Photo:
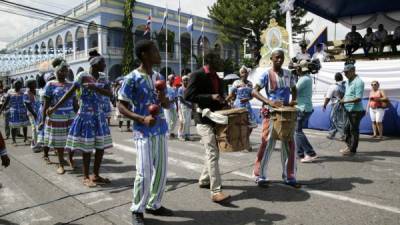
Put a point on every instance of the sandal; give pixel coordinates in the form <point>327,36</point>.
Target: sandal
<point>89,183</point>
<point>100,180</point>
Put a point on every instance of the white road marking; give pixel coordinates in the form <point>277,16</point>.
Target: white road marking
<point>356,201</point>
<point>197,168</point>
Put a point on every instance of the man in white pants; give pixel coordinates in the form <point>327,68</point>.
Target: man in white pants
<point>185,112</point>
<point>149,133</point>
<point>170,113</point>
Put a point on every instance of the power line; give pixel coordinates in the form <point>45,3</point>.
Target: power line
<point>51,15</point>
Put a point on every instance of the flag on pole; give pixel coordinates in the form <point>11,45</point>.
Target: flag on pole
<point>189,25</point>
<point>164,19</point>
<point>148,26</point>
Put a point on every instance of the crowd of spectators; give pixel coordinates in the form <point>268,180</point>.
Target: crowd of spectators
<point>372,40</point>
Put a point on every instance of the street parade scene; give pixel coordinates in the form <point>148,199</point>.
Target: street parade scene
<point>208,112</point>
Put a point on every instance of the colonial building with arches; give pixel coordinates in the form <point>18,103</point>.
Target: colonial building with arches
<point>103,30</point>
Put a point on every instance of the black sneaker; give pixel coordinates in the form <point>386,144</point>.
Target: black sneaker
<point>162,211</point>
<point>137,219</point>
<point>207,186</point>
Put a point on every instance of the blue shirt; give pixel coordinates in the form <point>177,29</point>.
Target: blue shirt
<point>138,89</point>
<point>181,91</point>
<point>277,86</point>
<point>354,89</point>
<point>54,91</point>
<point>172,94</point>
<point>242,91</point>
<point>304,94</point>
<point>90,101</point>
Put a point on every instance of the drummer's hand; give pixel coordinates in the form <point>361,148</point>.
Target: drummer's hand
<point>292,103</point>
<point>276,104</point>
<point>244,100</point>
<point>217,97</point>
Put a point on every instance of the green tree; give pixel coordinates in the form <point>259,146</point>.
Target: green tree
<point>128,56</point>
<point>233,17</point>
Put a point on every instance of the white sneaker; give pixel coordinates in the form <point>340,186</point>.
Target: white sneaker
<point>308,159</point>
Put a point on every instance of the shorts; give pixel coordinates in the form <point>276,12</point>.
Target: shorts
<point>377,114</point>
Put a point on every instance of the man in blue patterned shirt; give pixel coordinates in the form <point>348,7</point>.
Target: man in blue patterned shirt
<point>149,133</point>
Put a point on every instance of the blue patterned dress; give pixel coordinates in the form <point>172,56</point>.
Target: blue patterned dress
<point>90,130</point>
<point>58,124</point>
<point>243,91</point>
<point>18,111</point>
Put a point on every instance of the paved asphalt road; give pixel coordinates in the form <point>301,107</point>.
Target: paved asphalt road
<point>358,190</point>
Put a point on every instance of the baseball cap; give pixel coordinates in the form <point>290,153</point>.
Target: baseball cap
<point>348,67</point>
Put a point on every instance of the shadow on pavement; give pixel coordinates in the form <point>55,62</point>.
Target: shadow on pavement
<point>221,217</point>
<point>274,193</point>
<point>381,153</point>
<point>359,157</point>
<point>6,222</point>
<point>335,184</point>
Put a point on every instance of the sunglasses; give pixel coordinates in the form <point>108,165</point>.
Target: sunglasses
<point>374,84</point>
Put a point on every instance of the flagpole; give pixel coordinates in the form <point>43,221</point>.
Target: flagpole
<point>179,39</point>
<point>166,41</point>
<point>191,51</point>
<point>202,40</point>
<point>151,24</point>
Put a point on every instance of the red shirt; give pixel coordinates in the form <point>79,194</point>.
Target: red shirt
<point>214,79</point>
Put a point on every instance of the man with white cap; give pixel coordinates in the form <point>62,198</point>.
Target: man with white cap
<point>184,111</point>
<point>171,114</point>
<point>352,101</point>
<point>279,85</point>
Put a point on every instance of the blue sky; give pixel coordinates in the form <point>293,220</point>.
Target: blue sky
<point>13,26</point>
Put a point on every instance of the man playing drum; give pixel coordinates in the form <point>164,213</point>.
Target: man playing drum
<point>279,84</point>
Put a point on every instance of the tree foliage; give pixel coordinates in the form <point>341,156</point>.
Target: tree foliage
<point>128,56</point>
<point>232,17</point>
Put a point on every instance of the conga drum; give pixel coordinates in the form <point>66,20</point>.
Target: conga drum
<point>235,135</point>
<point>283,120</point>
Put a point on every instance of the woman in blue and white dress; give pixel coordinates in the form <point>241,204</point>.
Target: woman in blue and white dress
<point>18,111</point>
<point>89,131</point>
<point>241,93</point>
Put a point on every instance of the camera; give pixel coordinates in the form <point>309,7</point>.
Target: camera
<point>313,65</point>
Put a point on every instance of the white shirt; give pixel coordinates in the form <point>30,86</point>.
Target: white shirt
<point>380,35</point>
<point>322,56</point>
<point>334,92</point>
<point>303,56</point>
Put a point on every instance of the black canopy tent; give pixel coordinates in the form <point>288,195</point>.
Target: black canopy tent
<point>333,10</point>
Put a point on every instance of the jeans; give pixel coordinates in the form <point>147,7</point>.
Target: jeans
<point>338,119</point>
<point>303,146</point>
<point>352,129</point>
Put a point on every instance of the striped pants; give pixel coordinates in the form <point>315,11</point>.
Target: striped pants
<point>171,116</point>
<point>34,144</point>
<point>151,173</point>
<point>185,117</point>
<point>288,155</point>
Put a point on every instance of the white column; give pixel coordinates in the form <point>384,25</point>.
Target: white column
<point>86,45</point>
<point>74,48</point>
<point>102,41</point>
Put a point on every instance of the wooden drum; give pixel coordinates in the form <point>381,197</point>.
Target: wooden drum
<point>235,135</point>
<point>284,122</point>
